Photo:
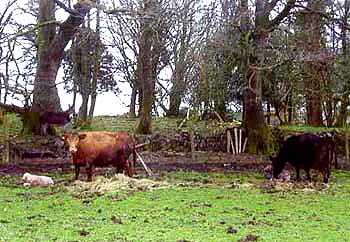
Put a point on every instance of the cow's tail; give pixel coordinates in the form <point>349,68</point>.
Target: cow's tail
<point>134,157</point>
<point>334,157</point>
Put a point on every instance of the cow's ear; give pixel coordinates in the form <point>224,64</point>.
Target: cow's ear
<point>82,136</point>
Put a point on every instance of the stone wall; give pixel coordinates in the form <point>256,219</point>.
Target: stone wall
<point>181,142</point>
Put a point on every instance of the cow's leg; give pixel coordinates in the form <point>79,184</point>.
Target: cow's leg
<point>308,177</point>
<point>119,168</point>
<point>89,172</point>
<point>77,171</point>
<point>43,129</point>
<point>297,171</point>
<point>134,158</point>
<point>325,178</point>
<point>334,159</point>
<point>128,168</point>
<point>326,173</point>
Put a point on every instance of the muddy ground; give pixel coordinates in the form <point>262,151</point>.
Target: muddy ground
<point>159,162</point>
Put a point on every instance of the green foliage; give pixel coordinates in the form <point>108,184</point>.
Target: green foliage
<point>163,125</point>
<point>197,207</point>
<point>304,129</point>
<point>14,125</point>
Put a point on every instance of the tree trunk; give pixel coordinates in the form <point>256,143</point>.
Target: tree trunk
<point>83,110</point>
<point>259,134</point>
<point>138,86</point>
<point>85,75</point>
<point>177,90</point>
<point>146,72</point>
<point>97,60</point>
<point>132,107</point>
<point>314,67</point>
<point>313,96</point>
<point>45,94</point>
<point>290,108</point>
<point>75,90</point>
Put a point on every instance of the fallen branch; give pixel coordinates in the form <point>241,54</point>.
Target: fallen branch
<point>185,119</point>
<point>148,170</point>
<point>219,117</point>
<point>244,144</point>
<point>141,145</point>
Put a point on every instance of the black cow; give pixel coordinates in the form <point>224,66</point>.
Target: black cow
<point>55,118</point>
<point>307,151</point>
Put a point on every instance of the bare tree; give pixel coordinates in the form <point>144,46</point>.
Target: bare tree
<point>124,28</point>
<point>183,44</point>
<point>16,71</point>
<point>89,70</point>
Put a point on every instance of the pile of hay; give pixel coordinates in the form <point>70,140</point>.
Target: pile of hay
<point>118,182</point>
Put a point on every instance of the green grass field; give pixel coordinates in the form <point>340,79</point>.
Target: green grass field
<point>194,207</point>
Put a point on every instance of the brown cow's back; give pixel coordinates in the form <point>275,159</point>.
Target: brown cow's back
<point>97,142</point>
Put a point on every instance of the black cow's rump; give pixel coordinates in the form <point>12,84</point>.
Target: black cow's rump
<point>305,151</point>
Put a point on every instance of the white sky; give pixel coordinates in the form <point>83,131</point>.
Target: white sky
<point>106,104</point>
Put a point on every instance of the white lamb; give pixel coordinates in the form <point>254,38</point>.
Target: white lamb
<point>36,181</point>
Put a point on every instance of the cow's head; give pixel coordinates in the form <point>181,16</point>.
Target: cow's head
<point>277,166</point>
<point>71,140</point>
<point>69,113</point>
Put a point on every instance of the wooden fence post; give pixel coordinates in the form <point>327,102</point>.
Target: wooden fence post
<point>228,141</point>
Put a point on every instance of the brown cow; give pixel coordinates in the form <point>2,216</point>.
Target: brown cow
<point>100,149</point>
